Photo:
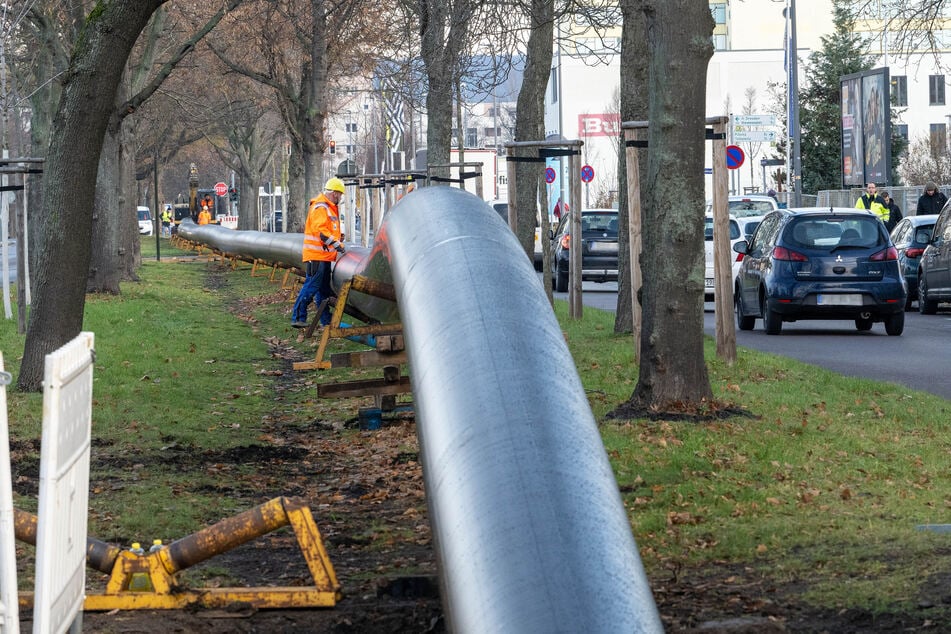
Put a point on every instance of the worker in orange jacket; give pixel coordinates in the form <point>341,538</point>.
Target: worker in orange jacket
<point>322,245</point>
<point>204,216</point>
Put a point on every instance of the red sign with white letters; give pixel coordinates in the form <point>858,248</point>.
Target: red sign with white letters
<point>607,124</point>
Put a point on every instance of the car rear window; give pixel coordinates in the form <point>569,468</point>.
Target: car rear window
<point>830,232</point>
<point>600,223</point>
<point>743,208</point>
<point>708,229</point>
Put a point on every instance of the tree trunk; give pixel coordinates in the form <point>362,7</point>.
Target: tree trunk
<point>88,98</point>
<point>633,89</point>
<point>247,203</point>
<point>673,373</point>
<point>104,248</point>
<point>530,119</point>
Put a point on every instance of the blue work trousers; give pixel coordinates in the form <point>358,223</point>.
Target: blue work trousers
<point>317,288</point>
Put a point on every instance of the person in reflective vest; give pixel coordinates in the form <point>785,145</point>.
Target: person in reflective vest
<point>322,244</point>
<point>873,202</point>
<point>204,216</point>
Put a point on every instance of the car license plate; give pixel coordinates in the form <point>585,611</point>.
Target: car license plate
<point>602,247</point>
<point>839,300</point>
<point>708,282</point>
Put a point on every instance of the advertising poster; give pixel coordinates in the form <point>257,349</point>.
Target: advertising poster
<point>866,128</point>
<point>853,171</point>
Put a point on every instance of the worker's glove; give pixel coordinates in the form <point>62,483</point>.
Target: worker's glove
<point>340,248</point>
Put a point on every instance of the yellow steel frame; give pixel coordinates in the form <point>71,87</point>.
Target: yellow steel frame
<point>148,581</point>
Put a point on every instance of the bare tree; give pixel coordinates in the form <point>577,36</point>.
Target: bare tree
<point>633,107</point>
<point>673,374</point>
<point>88,98</point>
<point>927,161</point>
<point>530,115</point>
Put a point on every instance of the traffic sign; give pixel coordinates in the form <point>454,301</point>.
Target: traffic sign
<point>734,156</point>
<point>587,173</point>
<point>754,135</point>
<point>221,188</point>
<point>754,119</point>
<point>550,175</point>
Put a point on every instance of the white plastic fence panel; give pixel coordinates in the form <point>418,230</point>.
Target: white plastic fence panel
<point>64,486</point>
<point>9,610</point>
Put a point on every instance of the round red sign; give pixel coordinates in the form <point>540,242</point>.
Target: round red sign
<point>221,188</point>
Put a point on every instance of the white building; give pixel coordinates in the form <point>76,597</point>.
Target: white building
<point>582,96</point>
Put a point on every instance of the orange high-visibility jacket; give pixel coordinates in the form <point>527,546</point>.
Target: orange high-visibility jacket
<point>321,231</point>
<point>204,217</point>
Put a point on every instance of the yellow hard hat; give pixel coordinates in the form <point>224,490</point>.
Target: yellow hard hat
<point>335,185</point>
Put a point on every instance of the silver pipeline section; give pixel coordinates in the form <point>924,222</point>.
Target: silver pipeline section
<point>529,528</point>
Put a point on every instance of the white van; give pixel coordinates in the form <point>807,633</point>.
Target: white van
<point>145,221</point>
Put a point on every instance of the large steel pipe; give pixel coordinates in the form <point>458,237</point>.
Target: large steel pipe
<point>529,528</point>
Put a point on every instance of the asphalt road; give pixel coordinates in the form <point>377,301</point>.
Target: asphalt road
<point>920,358</point>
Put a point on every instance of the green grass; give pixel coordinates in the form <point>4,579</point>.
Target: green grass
<point>822,484</point>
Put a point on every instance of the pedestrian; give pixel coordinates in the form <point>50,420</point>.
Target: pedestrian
<point>204,216</point>
<point>931,202</point>
<point>894,212</point>
<point>561,207</point>
<point>322,244</point>
<point>167,221</point>
<point>873,202</point>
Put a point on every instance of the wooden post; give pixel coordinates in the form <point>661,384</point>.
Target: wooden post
<point>574,252</point>
<point>634,234</point>
<point>510,171</point>
<point>722,260</point>
<point>375,205</point>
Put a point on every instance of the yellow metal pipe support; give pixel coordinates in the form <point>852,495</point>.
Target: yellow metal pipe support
<point>226,534</point>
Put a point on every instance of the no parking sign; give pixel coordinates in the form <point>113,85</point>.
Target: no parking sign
<point>587,173</point>
<point>734,156</point>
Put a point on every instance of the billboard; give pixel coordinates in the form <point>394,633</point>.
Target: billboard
<point>866,128</point>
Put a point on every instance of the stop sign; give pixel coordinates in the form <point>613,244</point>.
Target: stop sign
<point>221,189</point>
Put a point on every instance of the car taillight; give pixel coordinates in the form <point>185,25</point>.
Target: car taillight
<point>782,253</point>
<point>566,241</point>
<point>891,253</point>
<point>914,252</point>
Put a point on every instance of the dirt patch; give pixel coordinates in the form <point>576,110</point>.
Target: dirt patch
<point>365,489</point>
<point>711,411</point>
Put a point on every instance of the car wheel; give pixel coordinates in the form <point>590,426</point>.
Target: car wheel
<point>925,305</point>
<point>863,324</point>
<point>772,321</point>
<point>561,282</point>
<point>743,322</point>
<point>895,324</point>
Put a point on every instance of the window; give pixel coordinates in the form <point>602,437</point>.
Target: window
<point>899,90</point>
<point>936,90</point>
<point>901,130</point>
<point>719,13</point>
<point>554,85</point>
<point>939,137</point>
<point>489,132</point>
<point>472,137</point>
<point>351,127</point>
<point>719,42</point>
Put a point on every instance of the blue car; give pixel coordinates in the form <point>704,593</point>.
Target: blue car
<point>820,263</point>
<point>910,237</point>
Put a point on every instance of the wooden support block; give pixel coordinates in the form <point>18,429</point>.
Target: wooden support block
<point>389,343</point>
<point>366,359</point>
<point>364,388</point>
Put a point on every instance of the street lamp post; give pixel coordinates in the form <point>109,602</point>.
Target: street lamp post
<point>792,147</point>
